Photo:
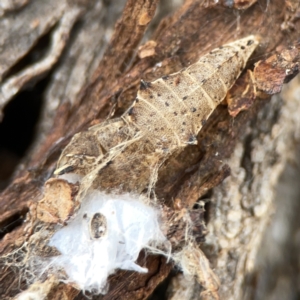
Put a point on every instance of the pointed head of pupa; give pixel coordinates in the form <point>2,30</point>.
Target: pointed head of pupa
<point>246,45</point>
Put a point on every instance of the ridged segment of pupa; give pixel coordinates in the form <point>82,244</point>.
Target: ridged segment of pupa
<point>172,109</point>
<point>125,154</point>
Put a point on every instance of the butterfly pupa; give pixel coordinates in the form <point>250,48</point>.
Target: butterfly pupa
<point>125,154</point>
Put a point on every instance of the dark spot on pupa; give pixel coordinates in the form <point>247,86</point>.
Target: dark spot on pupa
<point>243,47</point>
<point>183,123</point>
<point>185,97</point>
<point>218,67</point>
<point>250,42</point>
<point>151,97</point>
<point>221,47</point>
<point>203,122</point>
<point>165,77</point>
<point>203,81</point>
<point>85,216</point>
<point>109,163</point>
<point>192,140</point>
<point>167,104</point>
<point>158,94</point>
<point>131,111</point>
<point>175,113</point>
<point>144,85</point>
<point>106,165</point>
<point>193,109</point>
<point>137,100</point>
<point>68,169</point>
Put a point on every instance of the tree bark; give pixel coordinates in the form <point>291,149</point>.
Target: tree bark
<point>88,84</point>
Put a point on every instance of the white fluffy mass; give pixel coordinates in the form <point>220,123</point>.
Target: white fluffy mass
<point>131,226</point>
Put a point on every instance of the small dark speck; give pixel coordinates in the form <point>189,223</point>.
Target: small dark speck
<point>137,100</point>
<point>66,170</point>
<point>175,113</point>
<point>203,122</point>
<point>151,97</point>
<point>183,123</point>
<point>185,97</point>
<point>144,85</point>
<point>250,42</point>
<point>167,104</point>
<point>218,67</point>
<point>106,165</point>
<point>243,47</point>
<point>158,94</point>
<point>130,112</point>
<point>192,140</point>
<point>165,77</point>
<point>203,81</point>
<point>109,163</point>
<point>85,216</point>
<point>193,109</point>
<point>221,47</point>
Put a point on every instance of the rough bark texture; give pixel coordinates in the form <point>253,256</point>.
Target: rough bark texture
<point>87,84</point>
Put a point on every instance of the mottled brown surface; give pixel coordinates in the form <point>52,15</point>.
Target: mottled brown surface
<point>58,202</point>
<point>180,39</point>
<point>271,73</point>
